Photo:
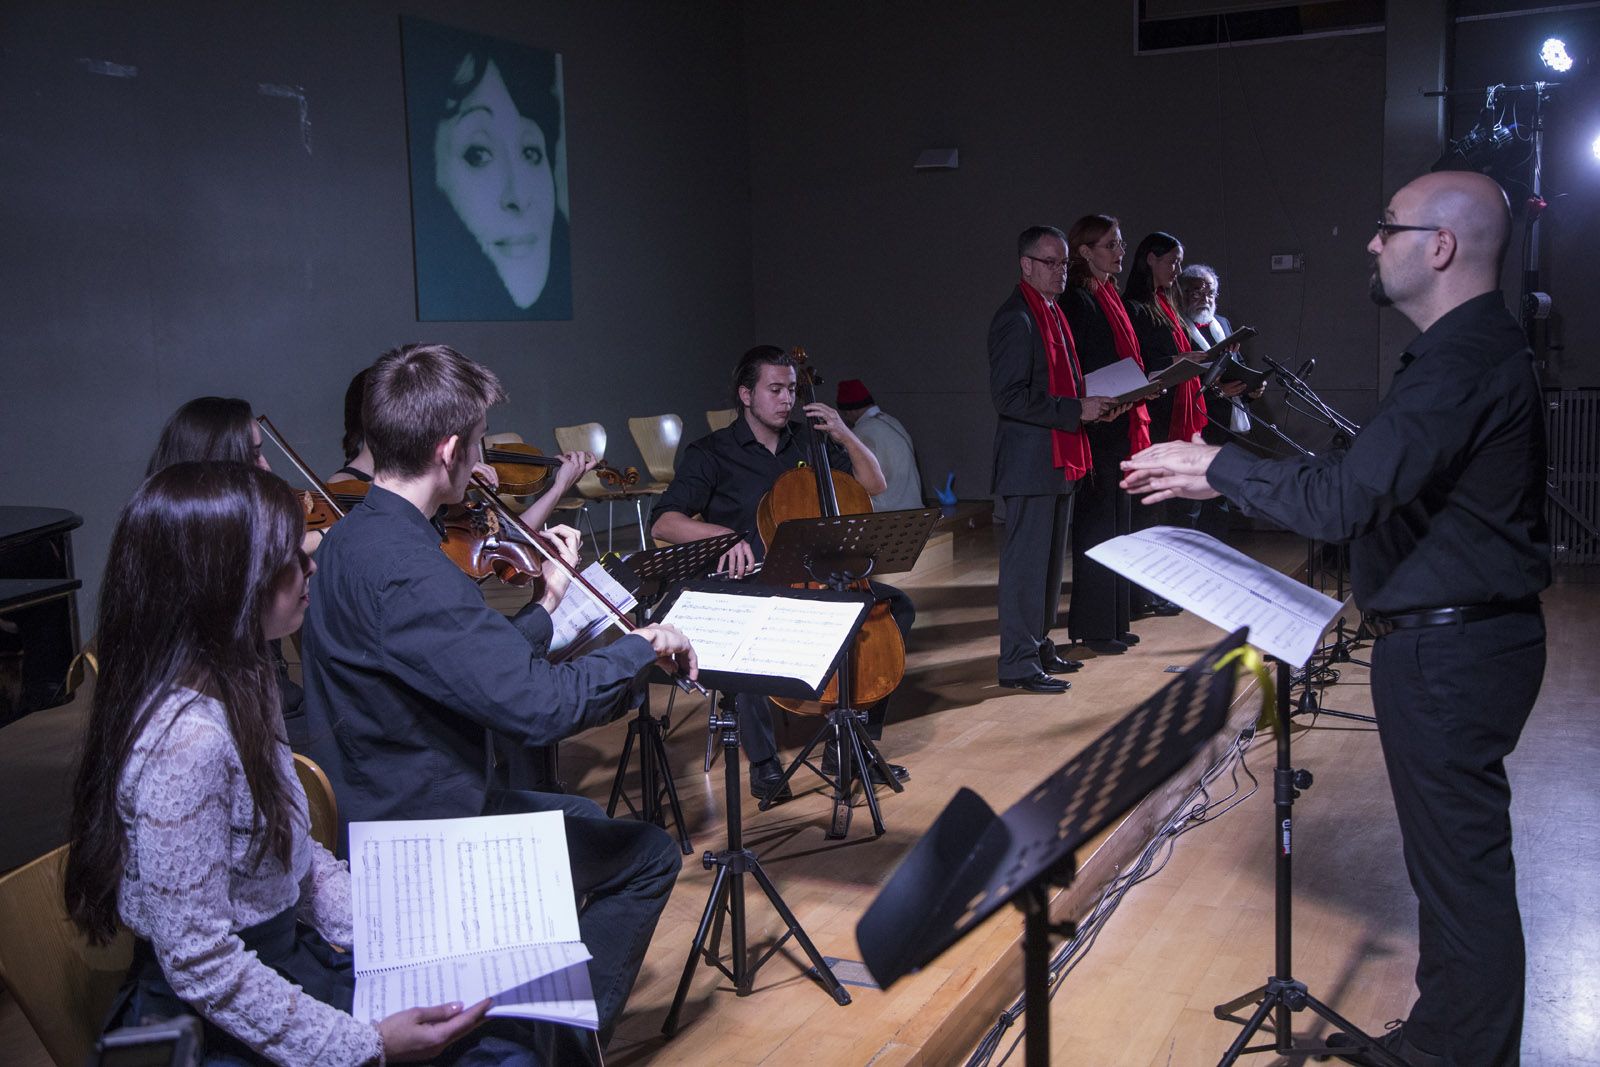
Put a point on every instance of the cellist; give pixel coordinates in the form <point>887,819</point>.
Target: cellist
<point>722,477</point>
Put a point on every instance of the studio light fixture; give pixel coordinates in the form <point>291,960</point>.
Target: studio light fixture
<point>1554,54</point>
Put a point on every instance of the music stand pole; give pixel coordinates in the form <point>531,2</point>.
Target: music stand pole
<point>1283,994</point>
<point>665,566</point>
<point>727,897</point>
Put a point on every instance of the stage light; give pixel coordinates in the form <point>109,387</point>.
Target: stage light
<point>1596,147</point>
<point>1554,54</point>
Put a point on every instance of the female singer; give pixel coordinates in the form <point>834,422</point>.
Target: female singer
<point>188,823</point>
<point>1151,297</point>
<point>1100,612</point>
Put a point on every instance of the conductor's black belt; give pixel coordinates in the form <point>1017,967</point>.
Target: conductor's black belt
<point>1381,624</point>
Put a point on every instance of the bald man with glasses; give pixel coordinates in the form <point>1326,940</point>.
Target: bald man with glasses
<point>1441,498</point>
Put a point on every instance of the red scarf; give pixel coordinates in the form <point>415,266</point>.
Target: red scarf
<point>1188,403</point>
<point>1070,448</point>
<point>1105,294</point>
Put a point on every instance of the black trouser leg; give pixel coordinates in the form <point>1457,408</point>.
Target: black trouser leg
<point>1100,599</point>
<point>1451,702</point>
<point>1029,590</point>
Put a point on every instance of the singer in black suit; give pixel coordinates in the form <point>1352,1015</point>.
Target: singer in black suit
<point>1036,493</point>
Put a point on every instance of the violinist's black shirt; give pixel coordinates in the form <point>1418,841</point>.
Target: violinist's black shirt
<point>723,476</point>
<point>1441,495</point>
<point>405,667</point>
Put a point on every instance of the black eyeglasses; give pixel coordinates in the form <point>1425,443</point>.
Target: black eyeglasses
<point>1387,230</point>
<point>1049,264</point>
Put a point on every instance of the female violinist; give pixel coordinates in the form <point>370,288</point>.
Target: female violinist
<point>722,477</point>
<point>188,824</point>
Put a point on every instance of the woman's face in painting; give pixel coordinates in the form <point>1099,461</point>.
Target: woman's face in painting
<point>493,165</point>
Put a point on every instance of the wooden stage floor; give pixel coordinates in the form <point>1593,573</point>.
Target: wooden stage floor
<point>1197,933</point>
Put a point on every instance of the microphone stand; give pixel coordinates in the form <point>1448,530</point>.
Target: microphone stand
<point>1309,701</point>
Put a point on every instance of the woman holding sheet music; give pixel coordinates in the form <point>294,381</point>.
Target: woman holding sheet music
<point>189,825</point>
<point>1101,601</point>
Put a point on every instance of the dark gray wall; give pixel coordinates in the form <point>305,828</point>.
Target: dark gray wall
<point>168,235</point>
<point>892,276</point>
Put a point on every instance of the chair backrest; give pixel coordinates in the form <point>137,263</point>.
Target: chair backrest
<point>63,984</point>
<point>585,437</point>
<point>320,801</point>
<point>657,437</point>
<point>721,417</point>
<point>507,438</point>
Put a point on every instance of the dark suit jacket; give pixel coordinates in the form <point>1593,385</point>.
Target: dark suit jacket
<point>1159,349</point>
<point>1019,383</point>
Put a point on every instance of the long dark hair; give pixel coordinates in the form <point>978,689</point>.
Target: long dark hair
<point>1086,231</point>
<point>193,558</point>
<point>207,427</point>
<point>354,435</point>
<point>748,370</point>
<point>1141,287</point>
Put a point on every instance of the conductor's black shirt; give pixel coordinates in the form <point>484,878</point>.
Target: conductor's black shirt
<point>1441,495</point>
<point>723,476</point>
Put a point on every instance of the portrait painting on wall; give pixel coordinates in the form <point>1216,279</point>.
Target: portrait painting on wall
<point>488,177</point>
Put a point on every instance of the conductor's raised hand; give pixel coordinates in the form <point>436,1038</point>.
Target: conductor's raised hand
<point>738,561</point>
<point>674,653</point>
<point>419,1034</point>
<point>1171,469</point>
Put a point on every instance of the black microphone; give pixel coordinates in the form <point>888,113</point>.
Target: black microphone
<point>1306,368</point>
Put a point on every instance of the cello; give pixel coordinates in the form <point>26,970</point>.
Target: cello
<point>878,657</point>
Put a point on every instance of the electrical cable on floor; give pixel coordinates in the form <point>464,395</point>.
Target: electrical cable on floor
<point>1196,809</point>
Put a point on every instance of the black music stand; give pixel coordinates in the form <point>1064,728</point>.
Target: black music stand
<point>836,552</point>
<point>664,567</point>
<point>972,862</point>
<point>736,861</point>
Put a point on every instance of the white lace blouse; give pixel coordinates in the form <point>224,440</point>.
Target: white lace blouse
<point>191,884</point>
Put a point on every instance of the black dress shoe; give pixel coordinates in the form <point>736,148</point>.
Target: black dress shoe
<point>1053,663</point>
<point>830,767</point>
<point>1129,638</point>
<point>1037,683</point>
<point>764,777</point>
<point>1164,608</point>
<point>1105,646</point>
<point>1394,1043</point>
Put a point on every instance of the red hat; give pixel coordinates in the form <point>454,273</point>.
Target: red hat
<point>853,394</point>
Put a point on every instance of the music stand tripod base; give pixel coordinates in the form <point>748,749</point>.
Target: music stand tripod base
<point>726,900</point>
<point>837,552</point>
<point>1282,995</point>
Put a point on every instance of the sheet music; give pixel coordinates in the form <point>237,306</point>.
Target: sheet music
<point>461,909</point>
<point>579,617</point>
<point>536,982</point>
<point>1123,376</point>
<point>790,637</point>
<point>1227,588</point>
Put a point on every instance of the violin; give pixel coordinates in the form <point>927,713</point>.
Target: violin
<point>878,657</point>
<point>474,543</point>
<point>523,470</point>
<point>491,501</point>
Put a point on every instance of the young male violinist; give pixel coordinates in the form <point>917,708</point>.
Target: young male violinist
<point>407,670</point>
<point>717,486</point>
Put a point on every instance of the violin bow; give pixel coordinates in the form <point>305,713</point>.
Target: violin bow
<point>317,485</point>
<point>511,519</point>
